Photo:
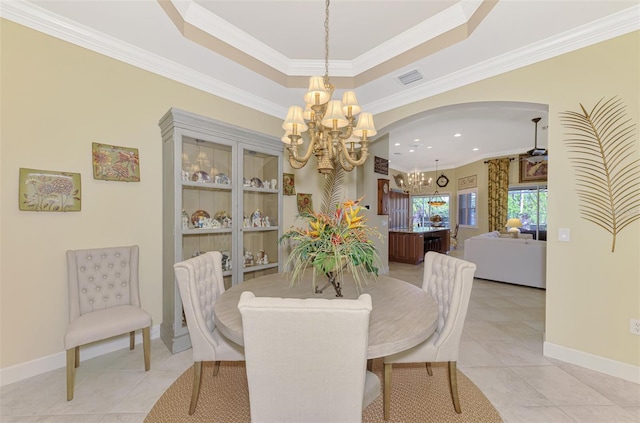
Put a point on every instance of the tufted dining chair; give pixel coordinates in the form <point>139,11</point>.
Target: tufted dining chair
<point>104,301</point>
<point>306,358</point>
<point>448,280</point>
<point>200,283</point>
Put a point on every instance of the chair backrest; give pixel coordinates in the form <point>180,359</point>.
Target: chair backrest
<point>200,283</point>
<point>449,281</point>
<point>306,358</point>
<point>454,235</point>
<point>102,278</point>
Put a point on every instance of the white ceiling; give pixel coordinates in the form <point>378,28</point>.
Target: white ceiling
<point>258,53</point>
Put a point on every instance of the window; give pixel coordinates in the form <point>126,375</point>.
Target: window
<point>530,205</point>
<point>422,211</point>
<point>467,207</point>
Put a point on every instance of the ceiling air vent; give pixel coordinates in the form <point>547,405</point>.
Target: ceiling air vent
<point>410,77</point>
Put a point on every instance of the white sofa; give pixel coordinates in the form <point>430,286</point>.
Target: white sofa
<point>513,260</point>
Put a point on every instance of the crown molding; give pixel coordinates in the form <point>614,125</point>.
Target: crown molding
<point>445,21</point>
<point>202,18</point>
<point>609,27</point>
<point>41,20</point>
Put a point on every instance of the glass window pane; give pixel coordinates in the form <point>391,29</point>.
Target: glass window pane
<point>467,208</point>
<point>424,214</point>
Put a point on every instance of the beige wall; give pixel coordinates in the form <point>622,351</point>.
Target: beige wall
<point>591,293</point>
<point>58,98</point>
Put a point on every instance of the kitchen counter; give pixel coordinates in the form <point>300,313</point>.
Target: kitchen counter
<point>410,245</point>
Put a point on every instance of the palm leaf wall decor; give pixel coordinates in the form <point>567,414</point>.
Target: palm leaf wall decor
<point>601,147</point>
<point>332,190</point>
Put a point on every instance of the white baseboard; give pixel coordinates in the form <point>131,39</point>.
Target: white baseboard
<point>594,362</point>
<point>55,361</point>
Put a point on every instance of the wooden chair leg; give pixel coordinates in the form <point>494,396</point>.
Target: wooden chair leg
<point>216,368</point>
<point>370,365</point>
<point>77,354</point>
<point>146,346</point>
<point>132,339</point>
<point>197,377</point>
<point>429,371</point>
<point>71,372</point>
<point>453,384</point>
<point>386,390</point>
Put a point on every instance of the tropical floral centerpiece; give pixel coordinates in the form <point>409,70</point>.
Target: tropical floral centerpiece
<point>332,243</point>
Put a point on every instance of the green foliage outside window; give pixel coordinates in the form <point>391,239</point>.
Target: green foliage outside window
<point>422,211</point>
<point>530,205</point>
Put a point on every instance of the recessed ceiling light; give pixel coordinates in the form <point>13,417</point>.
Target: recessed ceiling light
<point>457,135</point>
<point>397,144</point>
<point>430,147</point>
<point>416,140</point>
<point>476,149</point>
<point>411,151</point>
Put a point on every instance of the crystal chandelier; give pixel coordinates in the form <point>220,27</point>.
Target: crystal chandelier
<point>333,139</point>
<point>417,183</point>
<point>436,198</point>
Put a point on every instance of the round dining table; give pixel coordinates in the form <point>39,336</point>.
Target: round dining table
<point>402,314</point>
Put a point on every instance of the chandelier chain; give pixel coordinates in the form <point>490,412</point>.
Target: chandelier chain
<point>326,42</point>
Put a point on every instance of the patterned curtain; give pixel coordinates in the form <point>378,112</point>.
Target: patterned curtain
<point>498,189</point>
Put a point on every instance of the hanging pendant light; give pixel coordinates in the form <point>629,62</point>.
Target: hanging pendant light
<point>417,184</point>
<point>436,199</point>
<point>335,139</point>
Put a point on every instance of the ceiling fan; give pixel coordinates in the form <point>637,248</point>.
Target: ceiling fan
<point>536,154</point>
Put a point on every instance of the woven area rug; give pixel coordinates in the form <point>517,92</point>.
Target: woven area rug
<point>415,397</point>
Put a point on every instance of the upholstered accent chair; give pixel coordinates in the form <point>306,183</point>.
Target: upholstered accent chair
<point>104,301</point>
<point>448,280</point>
<point>200,283</point>
<point>306,358</point>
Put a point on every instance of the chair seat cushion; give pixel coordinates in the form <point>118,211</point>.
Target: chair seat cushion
<point>105,323</point>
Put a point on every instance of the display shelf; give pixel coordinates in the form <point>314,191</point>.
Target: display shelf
<point>206,231</point>
<point>219,175</point>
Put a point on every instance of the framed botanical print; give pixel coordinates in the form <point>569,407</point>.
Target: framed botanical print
<point>533,171</point>
<point>305,204</point>
<point>49,191</point>
<point>113,163</point>
<point>288,184</point>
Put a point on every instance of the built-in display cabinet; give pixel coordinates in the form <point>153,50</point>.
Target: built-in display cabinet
<point>221,192</point>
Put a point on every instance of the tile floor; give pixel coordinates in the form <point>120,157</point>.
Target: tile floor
<point>501,351</point>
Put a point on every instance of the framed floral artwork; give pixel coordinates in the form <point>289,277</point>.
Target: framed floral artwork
<point>533,171</point>
<point>305,205</point>
<point>49,191</point>
<point>288,184</point>
<point>113,163</point>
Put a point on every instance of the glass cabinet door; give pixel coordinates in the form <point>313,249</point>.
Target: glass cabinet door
<point>221,192</point>
<point>207,200</point>
<point>261,214</point>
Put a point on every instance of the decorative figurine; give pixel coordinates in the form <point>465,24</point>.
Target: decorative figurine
<point>185,220</point>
